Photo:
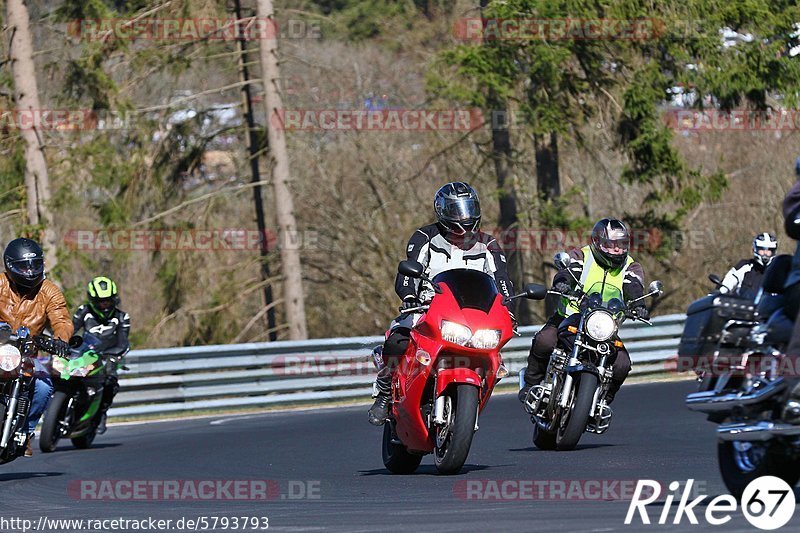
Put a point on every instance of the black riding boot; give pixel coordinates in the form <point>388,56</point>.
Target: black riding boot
<point>379,411</point>
<point>613,388</point>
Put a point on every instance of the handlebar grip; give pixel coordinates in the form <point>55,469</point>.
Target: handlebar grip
<point>51,345</point>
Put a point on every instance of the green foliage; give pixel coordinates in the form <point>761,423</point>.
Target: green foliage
<point>557,84</point>
<point>560,212</point>
<point>663,235</point>
<point>363,20</point>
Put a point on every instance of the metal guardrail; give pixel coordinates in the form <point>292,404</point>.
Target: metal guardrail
<point>176,380</point>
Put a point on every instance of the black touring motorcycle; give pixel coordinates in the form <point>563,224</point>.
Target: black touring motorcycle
<point>737,348</point>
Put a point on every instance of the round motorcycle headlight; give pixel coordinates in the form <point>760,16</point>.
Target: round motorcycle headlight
<point>600,326</point>
<point>10,358</point>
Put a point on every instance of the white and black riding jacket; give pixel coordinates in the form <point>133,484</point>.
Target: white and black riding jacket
<point>113,333</point>
<point>744,279</point>
<point>429,247</point>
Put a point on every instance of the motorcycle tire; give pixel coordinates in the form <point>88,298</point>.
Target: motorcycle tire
<point>49,437</point>
<point>544,440</point>
<point>739,468</point>
<point>569,433</point>
<point>451,457</point>
<point>396,457</point>
<point>85,441</point>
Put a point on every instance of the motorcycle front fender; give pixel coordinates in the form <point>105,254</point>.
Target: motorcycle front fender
<point>448,376</point>
<point>583,367</point>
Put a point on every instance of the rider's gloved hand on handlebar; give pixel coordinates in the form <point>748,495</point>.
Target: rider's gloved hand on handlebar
<point>61,347</point>
<point>641,312</point>
<point>52,345</point>
<point>562,287</point>
<point>409,302</point>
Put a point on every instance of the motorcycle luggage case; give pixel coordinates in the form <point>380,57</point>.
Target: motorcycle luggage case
<point>705,319</point>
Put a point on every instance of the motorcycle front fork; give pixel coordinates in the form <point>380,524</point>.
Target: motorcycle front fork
<point>16,403</point>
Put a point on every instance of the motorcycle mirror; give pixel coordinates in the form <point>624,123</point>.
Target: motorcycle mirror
<point>535,291</point>
<point>715,280</point>
<point>656,288</point>
<point>75,341</point>
<point>412,269</point>
<point>562,260</point>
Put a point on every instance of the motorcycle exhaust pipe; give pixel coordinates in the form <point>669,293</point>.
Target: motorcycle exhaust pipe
<point>760,431</point>
<point>712,402</point>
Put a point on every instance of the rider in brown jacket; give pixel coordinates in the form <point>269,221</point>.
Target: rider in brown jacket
<point>27,299</point>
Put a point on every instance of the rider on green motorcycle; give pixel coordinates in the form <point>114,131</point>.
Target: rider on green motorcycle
<point>101,317</point>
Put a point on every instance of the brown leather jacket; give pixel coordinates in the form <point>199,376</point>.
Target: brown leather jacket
<point>35,310</point>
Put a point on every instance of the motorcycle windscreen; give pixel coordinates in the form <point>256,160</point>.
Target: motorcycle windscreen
<point>89,342</point>
<point>600,294</point>
<point>471,288</point>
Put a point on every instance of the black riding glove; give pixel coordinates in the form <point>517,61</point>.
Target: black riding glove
<point>642,312</point>
<point>51,345</point>
<point>562,287</point>
<point>409,302</point>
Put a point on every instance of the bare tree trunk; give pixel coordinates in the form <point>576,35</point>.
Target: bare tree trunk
<point>26,95</point>
<point>255,173</point>
<point>549,185</point>
<point>507,219</point>
<point>284,205</point>
<point>547,175</point>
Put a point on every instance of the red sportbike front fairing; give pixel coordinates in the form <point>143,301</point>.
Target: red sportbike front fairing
<point>449,369</point>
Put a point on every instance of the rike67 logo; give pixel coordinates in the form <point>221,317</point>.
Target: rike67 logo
<point>767,503</point>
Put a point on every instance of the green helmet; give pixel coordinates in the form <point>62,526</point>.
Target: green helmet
<point>103,297</point>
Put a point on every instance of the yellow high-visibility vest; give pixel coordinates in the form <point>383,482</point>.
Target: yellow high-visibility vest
<point>594,273</point>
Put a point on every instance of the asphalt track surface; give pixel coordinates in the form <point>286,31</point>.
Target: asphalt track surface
<point>335,455</point>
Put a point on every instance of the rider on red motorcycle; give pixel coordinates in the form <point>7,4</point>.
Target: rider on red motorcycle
<point>454,241</point>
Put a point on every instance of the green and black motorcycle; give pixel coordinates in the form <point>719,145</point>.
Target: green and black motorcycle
<point>74,412</point>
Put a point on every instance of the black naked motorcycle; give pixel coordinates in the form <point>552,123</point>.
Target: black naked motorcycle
<point>17,368</point>
<point>737,348</point>
<point>572,397</point>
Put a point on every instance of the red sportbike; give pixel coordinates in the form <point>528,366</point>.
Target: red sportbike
<point>449,369</point>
